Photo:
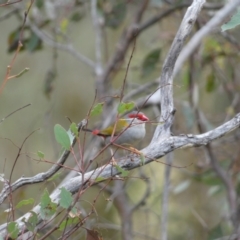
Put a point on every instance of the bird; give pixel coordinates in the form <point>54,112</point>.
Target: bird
<point>126,131</point>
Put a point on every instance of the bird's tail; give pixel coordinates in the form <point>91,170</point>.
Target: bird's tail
<point>87,130</point>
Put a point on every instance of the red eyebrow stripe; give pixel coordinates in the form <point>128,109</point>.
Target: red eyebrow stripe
<point>139,116</point>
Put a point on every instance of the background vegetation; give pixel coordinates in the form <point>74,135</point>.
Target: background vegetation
<point>80,53</point>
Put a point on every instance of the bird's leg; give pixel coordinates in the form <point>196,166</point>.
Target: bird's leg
<point>139,153</point>
<point>128,148</point>
<point>134,150</point>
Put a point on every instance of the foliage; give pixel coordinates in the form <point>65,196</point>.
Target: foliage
<point>96,60</point>
<point>233,23</point>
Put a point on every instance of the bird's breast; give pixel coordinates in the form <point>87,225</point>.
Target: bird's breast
<point>131,134</point>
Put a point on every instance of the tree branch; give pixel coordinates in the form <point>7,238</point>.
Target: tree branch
<point>154,151</point>
<point>166,79</point>
<point>65,47</point>
<point>166,97</point>
<point>126,39</point>
<point>98,38</point>
<point>40,177</point>
<point>210,27</point>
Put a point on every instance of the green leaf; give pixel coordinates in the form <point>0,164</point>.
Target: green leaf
<point>97,109</point>
<point>32,222</point>
<point>214,190</point>
<point>55,176</point>
<point>47,207</point>
<point>71,136</point>
<point>68,222</point>
<point>125,107</point>
<point>189,116</point>
<point>65,198</point>
<point>123,172</point>
<point>216,232</point>
<point>209,178</point>
<point>25,202</point>
<point>13,38</point>
<point>73,212</point>
<point>39,3</point>
<point>235,21</point>
<point>48,85</point>
<point>13,230</point>
<point>115,13</point>
<point>150,62</point>
<point>40,154</point>
<point>62,137</point>
<point>76,17</point>
<point>142,159</point>
<point>186,79</point>
<point>181,187</point>
<point>210,84</point>
<point>74,129</point>
<point>45,199</point>
<point>64,25</point>
<point>100,179</point>
<point>33,43</point>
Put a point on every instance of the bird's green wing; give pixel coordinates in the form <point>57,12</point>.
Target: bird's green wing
<point>120,126</point>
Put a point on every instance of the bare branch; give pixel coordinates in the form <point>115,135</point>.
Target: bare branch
<point>204,31</point>
<point>165,195</point>
<point>166,80</point>
<point>160,16</point>
<point>123,205</point>
<point>127,37</point>
<point>7,15</point>
<point>154,151</point>
<point>166,97</point>
<point>40,177</point>
<point>65,47</point>
<point>3,119</point>
<point>98,38</point>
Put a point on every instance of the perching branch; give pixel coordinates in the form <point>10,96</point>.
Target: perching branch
<point>166,79</point>
<point>166,97</point>
<point>154,151</point>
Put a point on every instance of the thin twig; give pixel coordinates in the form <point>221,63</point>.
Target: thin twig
<point>127,37</point>
<point>155,150</point>
<point>65,47</point>
<point>98,38</point>
<point>166,97</point>
<point>10,66</point>
<point>7,15</point>
<point>14,112</point>
<point>40,177</point>
<point>14,164</point>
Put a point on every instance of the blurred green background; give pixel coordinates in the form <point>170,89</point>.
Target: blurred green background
<point>198,206</point>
